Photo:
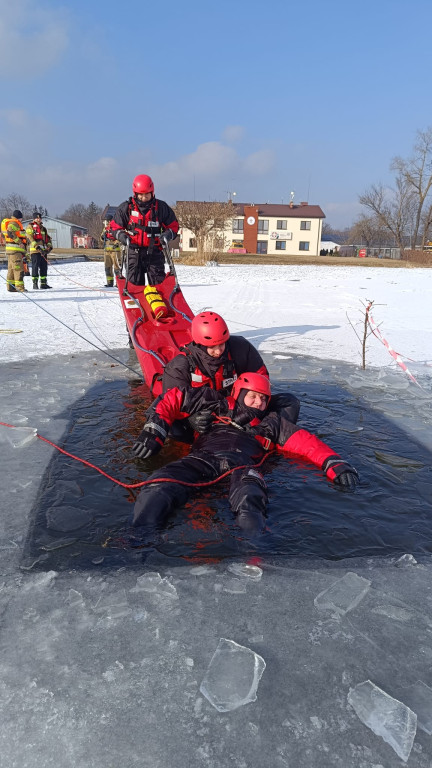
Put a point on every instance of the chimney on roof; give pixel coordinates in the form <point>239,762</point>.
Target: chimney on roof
<point>304,203</point>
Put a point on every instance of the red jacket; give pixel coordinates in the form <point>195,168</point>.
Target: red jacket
<point>241,438</point>
<point>144,221</point>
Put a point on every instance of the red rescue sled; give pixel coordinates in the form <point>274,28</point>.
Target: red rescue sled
<point>156,342</point>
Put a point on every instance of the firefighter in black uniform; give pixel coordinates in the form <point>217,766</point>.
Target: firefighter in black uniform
<point>242,431</point>
<point>147,222</point>
<point>215,359</point>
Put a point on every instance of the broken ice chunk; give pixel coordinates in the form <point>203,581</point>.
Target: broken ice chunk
<point>75,598</point>
<point>385,716</point>
<point>153,582</point>
<point>149,582</point>
<point>344,594</point>
<point>232,677</point>
<point>113,606</point>
<point>406,560</point>
<point>247,571</point>
<point>419,698</point>
<point>18,437</point>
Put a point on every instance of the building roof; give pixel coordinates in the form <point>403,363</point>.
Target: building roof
<point>296,211</point>
<point>332,239</point>
<point>61,221</point>
<point>109,210</point>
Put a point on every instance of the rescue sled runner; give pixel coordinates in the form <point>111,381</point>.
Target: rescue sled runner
<point>158,320</point>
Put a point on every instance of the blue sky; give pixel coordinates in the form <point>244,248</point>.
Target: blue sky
<point>209,98</point>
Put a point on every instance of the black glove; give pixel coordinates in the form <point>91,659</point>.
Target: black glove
<point>147,445</point>
<point>341,473</point>
<point>201,421</point>
<point>122,237</point>
<point>166,236</point>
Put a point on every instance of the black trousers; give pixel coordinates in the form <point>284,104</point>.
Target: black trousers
<point>247,493</point>
<point>39,264</point>
<point>140,264</point>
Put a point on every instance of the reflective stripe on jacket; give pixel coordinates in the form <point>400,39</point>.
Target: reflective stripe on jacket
<point>14,235</point>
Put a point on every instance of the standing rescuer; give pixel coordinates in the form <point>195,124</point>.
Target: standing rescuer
<point>147,222</point>
<point>16,247</point>
<point>40,247</point>
<point>111,252</point>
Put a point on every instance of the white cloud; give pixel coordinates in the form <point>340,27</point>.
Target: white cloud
<point>233,133</point>
<point>109,179</point>
<point>32,38</point>
<point>259,163</point>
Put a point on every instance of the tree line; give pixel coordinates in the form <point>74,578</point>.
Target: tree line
<point>402,212</point>
<point>88,216</point>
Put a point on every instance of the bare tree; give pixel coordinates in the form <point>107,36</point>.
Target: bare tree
<point>406,211</point>
<point>417,174</point>
<point>368,231</point>
<point>394,209</point>
<point>88,216</point>
<point>13,202</point>
<point>206,221</point>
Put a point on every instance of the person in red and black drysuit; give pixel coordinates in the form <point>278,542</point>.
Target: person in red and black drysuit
<point>147,222</point>
<point>40,247</point>
<point>215,359</point>
<point>243,430</point>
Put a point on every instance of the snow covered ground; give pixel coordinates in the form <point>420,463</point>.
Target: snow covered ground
<point>169,663</point>
<point>285,309</point>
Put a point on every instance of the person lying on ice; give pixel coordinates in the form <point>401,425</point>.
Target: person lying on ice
<point>214,359</point>
<point>243,431</point>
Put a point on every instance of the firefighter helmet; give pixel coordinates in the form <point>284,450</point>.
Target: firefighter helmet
<point>142,184</point>
<point>209,329</point>
<point>17,214</point>
<point>254,382</point>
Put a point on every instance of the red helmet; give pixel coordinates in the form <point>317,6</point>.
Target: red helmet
<point>209,329</point>
<point>142,184</point>
<point>251,381</point>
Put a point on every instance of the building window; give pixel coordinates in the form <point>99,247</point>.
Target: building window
<point>263,227</point>
<point>280,245</point>
<point>262,246</point>
<point>237,226</point>
<point>304,245</point>
<point>305,225</point>
<point>192,242</point>
<point>281,224</point>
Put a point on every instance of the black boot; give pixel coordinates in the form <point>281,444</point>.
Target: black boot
<point>35,284</point>
<point>44,285</point>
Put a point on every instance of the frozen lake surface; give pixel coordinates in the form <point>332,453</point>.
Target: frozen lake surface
<point>114,657</point>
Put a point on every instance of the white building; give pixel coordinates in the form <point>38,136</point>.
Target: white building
<point>292,229</point>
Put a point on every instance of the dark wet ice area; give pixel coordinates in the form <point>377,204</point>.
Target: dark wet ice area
<point>377,420</point>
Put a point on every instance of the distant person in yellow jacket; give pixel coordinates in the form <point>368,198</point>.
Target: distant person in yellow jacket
<point>111,253</point>
<point>16,248</point>
<point>40,247</point>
